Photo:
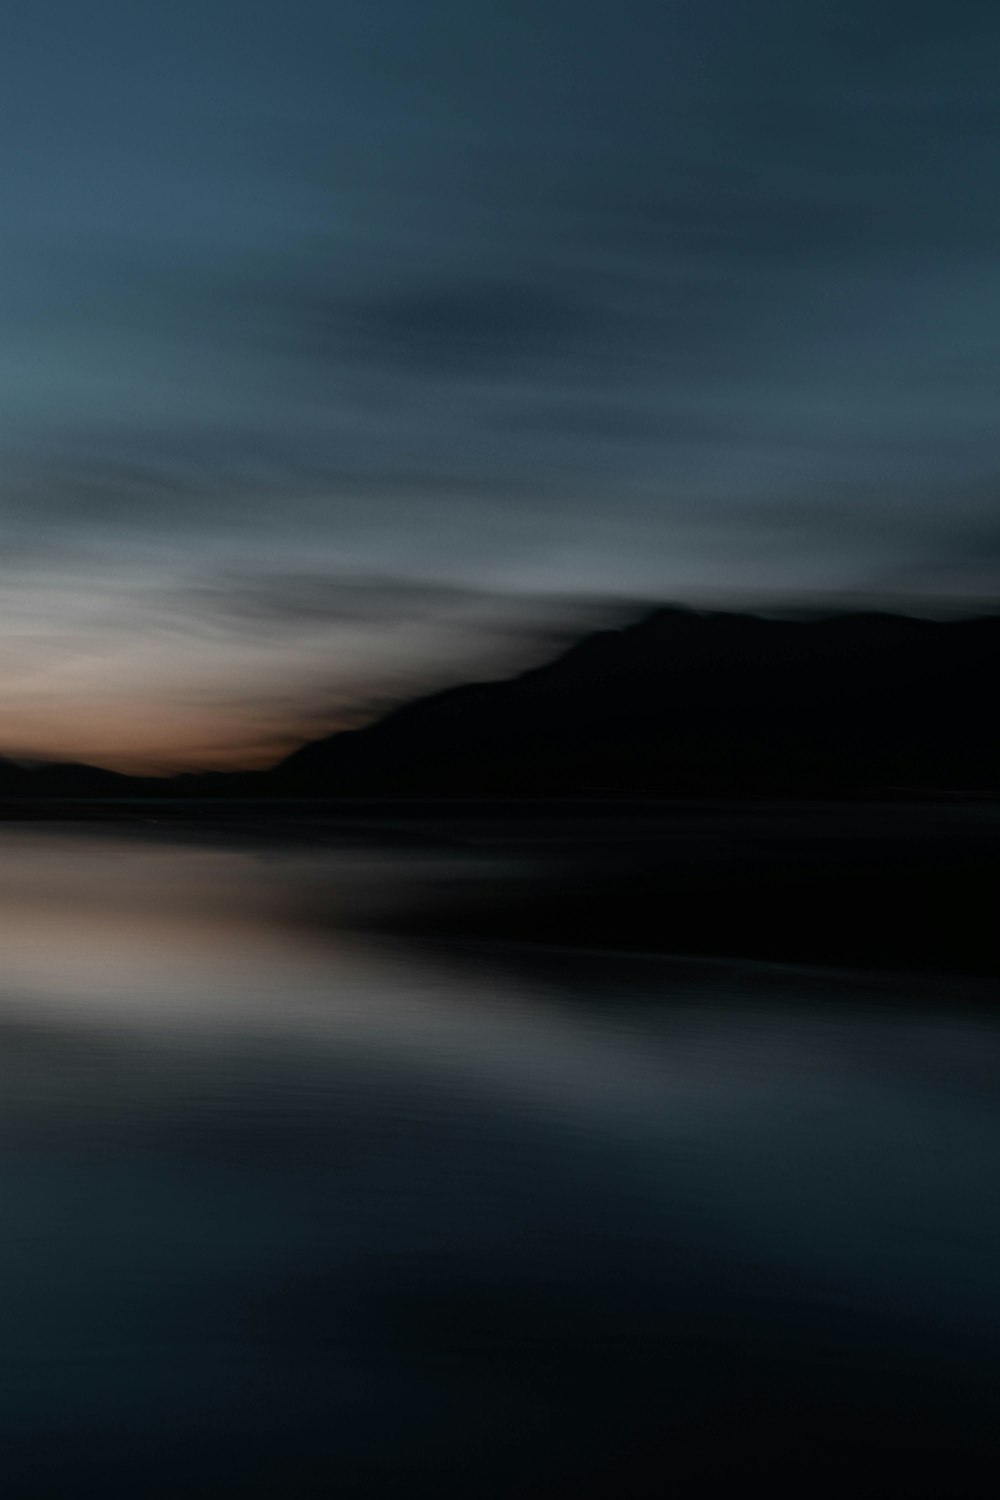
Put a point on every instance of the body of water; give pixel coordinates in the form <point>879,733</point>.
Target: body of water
<point>291,1209</point>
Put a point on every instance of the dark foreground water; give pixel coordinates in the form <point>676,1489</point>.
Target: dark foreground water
<point>291,1210</point>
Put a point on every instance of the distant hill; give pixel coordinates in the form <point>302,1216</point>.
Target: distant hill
<point>63,780</point>
<point>59,781</point>
<point>679,704</point>
<point>686,703</point>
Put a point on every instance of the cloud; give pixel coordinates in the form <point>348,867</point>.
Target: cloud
<point>477,324</point>
<point>301,600</point>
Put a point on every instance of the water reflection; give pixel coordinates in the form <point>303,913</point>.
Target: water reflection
<point>289,1210</point>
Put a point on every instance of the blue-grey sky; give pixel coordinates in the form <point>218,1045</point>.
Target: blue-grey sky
<point>352,345</point>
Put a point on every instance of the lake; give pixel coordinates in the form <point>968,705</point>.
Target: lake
<point>296,1206</point>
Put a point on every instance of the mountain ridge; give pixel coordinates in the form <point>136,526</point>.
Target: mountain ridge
<point>677,703</point>
<point>684,702</point>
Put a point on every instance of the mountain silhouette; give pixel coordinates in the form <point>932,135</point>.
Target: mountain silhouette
<point>680,703</point>
<point>58,779</point>
<point>688,703</point>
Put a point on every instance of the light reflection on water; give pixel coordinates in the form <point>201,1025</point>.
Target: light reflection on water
<point>289,1209</point>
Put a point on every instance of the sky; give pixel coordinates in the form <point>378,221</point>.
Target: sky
<point>350,347</point>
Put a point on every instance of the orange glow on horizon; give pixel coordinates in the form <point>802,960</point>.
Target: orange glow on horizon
<point>141,742</point>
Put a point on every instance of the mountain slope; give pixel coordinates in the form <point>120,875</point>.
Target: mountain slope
<point>687,703</point>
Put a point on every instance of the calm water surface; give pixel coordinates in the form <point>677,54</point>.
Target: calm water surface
<point>289,1209</point>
